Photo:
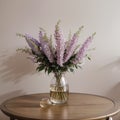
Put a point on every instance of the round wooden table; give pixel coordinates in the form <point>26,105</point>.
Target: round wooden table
<point>79,107</point>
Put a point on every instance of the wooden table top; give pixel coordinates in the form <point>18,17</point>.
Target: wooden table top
<point>79,107</point>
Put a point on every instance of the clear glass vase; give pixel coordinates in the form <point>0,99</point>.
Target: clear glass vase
<point>59,89</point>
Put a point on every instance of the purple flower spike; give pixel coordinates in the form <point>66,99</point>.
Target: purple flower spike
<point>71,47</point>
<point>33,43</point>
<point>59,56</point>
<point>81,53</point>
<point>32,59</point>
<point>45,47</point>
<point>59,44</point>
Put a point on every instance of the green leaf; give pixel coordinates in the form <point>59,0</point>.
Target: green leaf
<point>40,68</point>
<point>45,69</point>
<point>80,67</point>
<point>49,70</point>
<point>76,66</point>
<point>88,58</point>
<point>71,70</point>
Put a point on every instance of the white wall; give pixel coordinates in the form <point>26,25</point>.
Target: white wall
<point>100,76</point>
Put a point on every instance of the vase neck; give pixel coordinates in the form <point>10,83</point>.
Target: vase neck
<point>58,75</point>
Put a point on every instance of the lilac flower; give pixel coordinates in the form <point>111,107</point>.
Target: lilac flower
<point>58,57</point>
<point>33,43</point>
<point>72,45</point>
<point>59,45</point>
<point>81,53</point>
<point>45,47</point>
<point>32,58</point>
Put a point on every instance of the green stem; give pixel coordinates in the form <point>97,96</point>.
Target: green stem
<point>58,77</point>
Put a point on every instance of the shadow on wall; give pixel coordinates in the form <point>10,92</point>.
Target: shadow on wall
<point>112,69</point>
<point>12,68</point>
<point>9,96</point>
<point>104,80</point>
<point>112,73</point>
<point>114,93</point>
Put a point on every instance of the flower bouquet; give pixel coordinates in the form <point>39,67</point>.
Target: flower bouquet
<point>57,58</point>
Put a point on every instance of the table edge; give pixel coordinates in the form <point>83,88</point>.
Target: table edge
<point>112,113</point>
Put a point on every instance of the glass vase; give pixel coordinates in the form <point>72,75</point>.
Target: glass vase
<point>59,89</point>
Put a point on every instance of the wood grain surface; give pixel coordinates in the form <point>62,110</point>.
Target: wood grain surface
<point>79,107</point>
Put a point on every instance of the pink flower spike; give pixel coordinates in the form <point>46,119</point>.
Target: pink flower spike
<point>72,45</point>
<point>45,47</point>
<point>33,43</point>
<point>81,53</point>
<point>59,44</point>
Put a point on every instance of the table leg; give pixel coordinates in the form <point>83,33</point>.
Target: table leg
<point>11,118</point>
<point>109,118</point>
